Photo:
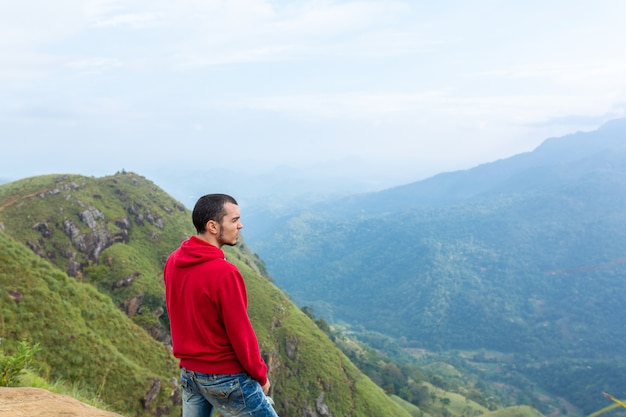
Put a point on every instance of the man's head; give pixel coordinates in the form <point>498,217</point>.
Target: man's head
<point>217,219</point>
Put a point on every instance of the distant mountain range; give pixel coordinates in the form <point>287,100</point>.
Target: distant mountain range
<point>555,162</point>
<point>525,255</point>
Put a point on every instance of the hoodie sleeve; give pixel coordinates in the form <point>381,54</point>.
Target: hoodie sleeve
<point>234,307</point>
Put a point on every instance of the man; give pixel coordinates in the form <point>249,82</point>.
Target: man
<point>220,361</point>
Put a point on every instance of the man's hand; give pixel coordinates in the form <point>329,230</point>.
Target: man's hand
<point>266,387</point>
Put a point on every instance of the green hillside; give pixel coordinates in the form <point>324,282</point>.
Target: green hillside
<point>80,274</point>
<point>521,411</point>
<point>85,339</point>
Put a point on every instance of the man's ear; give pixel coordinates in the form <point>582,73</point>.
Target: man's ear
<point>211,227</point>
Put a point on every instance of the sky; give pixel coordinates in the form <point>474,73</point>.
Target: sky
<point>388,91</point>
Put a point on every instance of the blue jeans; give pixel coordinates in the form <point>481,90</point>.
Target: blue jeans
<point>232,395</point>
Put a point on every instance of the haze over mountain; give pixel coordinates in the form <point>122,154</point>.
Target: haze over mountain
<point>524,256</point>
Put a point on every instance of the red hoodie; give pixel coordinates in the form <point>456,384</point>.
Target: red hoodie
<point>207,306</point>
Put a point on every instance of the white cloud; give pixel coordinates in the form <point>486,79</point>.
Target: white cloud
<point>94,65</point>
<point>315,72</point>
<point>257,31</point>
<point>117,13</point>
<point>137,20</point>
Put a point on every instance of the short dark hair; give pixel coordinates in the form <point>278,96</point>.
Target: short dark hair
<point>210,207</point>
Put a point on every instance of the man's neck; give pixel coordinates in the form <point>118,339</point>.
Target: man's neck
<point>209,238</point>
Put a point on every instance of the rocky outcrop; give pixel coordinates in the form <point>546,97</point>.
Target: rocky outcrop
<point>127,281</point>
<point>37,402</point>
<point>321,407</point>
<point>132,307</point>
<point>91,216</point>
<point>43,228</point>
<point>99,238</point>
<point>141,214</point>
<point>93,242</point>
<point>73,268</point>
<point>16,295</point>
<point>122,222</point>
<point>152,393</point>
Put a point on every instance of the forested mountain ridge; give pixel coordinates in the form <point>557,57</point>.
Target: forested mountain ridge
<point>80,274</point>
<point>524,256</point>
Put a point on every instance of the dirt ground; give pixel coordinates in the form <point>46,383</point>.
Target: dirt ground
<point>37,402</point>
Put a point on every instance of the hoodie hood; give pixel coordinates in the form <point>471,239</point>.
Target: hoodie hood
<point>194,251</point>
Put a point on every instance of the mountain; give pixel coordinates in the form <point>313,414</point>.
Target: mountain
<point>523,256</point>
<point>554,162</point>
<point>80,275</point>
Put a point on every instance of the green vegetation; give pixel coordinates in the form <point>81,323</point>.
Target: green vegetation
<point>520,411</point>
<point>84,338</point>
<point>80,275</point>
<point>12,366</point>
<point>444,392</point>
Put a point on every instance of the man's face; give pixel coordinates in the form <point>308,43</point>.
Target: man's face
<point>230,226</point>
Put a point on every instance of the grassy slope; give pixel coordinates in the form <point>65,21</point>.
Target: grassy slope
<point>520,411</point>
<point>87,339</point>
